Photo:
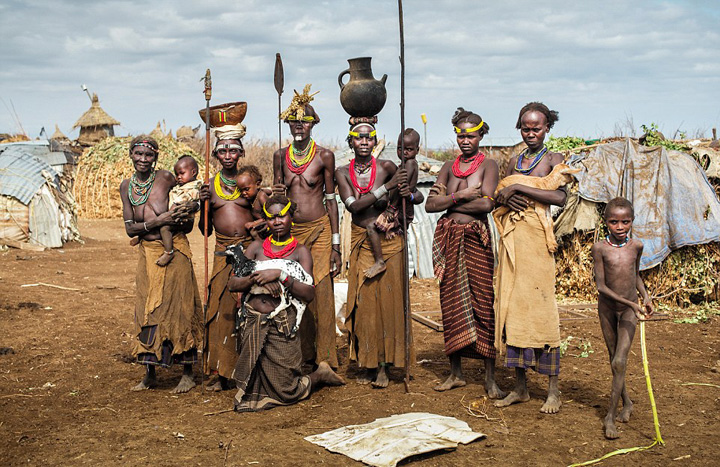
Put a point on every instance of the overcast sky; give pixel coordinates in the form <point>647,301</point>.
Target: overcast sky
<point>600,64</point>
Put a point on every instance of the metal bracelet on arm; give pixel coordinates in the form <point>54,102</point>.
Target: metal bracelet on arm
<point>379,192</point>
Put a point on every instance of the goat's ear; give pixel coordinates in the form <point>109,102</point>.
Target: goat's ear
<point>566,169</point>
<point>221,253</point>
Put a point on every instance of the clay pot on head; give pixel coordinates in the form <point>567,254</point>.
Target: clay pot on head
<point>362,95</point>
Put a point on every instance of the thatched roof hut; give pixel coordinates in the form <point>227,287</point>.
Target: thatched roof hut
<point>58,135</point>
<point>95,124</point>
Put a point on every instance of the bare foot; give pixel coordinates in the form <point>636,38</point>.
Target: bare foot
<point>610,429</point>
<point>494,392</point>
<point>552,404</point>
<point>512,398</point>
<point>326,375</point>
<point>217,387</point>
<point>624,415</point>
<point>134,241</point>
<point>381,380</point>
<point>186,383</point>
<point>165,259</point>
<point>375,269</point>
<point>452,382</point>
<point>366,376</point>
<point>147,382</point>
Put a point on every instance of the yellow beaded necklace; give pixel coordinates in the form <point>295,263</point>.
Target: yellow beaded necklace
<point>218,190</point>
<point>286,242</point>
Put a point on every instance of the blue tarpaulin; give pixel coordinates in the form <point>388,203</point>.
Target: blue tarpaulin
<point>675,205</point>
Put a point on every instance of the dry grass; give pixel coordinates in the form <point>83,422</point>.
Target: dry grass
<point>103,167</point>
<point>688,275</point>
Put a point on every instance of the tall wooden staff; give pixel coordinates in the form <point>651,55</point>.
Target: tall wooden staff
<point>208,95</point>
<point>279,85</point>
<point>406,266</point>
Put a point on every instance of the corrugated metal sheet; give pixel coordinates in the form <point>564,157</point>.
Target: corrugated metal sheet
<point>21,172</point>
<point>14,222</point>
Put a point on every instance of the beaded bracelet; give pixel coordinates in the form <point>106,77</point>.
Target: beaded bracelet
<point>452,195</point>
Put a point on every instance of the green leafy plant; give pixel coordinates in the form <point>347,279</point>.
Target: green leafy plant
<point>583,345</point>
<point>699,314</point>
<point>563,143</point>
<point>654,138</point>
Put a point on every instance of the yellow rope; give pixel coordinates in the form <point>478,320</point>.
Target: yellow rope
<point>658,437</point>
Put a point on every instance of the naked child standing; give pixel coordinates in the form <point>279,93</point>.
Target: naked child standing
<point>617,275</point>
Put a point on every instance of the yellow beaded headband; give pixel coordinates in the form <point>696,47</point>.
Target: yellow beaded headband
<point>469,130</point>
<point>360,135</point>
<point>306,118</point>
<point>282,212</point>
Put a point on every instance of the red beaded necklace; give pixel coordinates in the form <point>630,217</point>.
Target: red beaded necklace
<point>268,251</point>
<point>476,160</point>
<point>299,166</point>
<point>353,177</point>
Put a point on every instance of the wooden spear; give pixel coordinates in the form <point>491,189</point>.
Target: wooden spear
<point>279,85</point>
<point>208,95</point>
<point>406,265</point>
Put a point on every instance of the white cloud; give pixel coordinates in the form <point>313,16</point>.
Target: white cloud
<point>595,64</point>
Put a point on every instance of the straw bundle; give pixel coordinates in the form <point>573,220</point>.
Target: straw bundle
<point>104,166</point>
<point>688,275</point>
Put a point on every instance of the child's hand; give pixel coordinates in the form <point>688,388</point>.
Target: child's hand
<point>639,312</point>
<point>649,309</point>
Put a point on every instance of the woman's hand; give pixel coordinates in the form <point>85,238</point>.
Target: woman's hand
<point>265,276</point>
<point>279,189</point>
<point>438,189</point>
<point>184,211</point>
<point>204,192</point>
<point>510,197</point>
<point>268,278</point>
<point>166,218</point>
<point>470,193</point>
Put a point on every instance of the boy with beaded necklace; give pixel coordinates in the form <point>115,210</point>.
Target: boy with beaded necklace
<point>617,275</point>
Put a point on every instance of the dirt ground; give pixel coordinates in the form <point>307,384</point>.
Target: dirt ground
<point>65,399</point>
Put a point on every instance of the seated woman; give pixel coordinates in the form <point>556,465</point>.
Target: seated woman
<point>267,372</point>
